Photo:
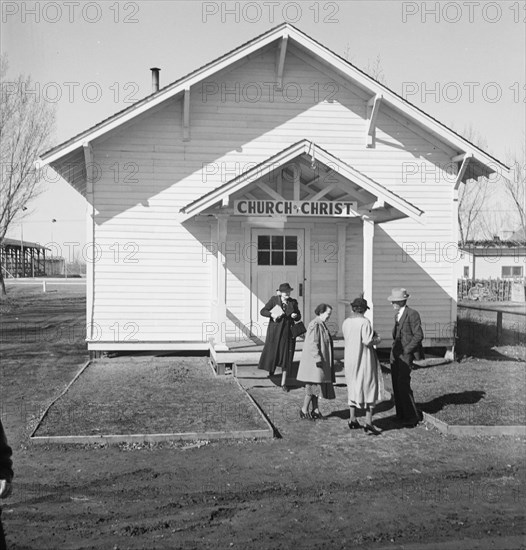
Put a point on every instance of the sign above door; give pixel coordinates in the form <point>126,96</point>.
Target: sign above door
<point>295,208</point>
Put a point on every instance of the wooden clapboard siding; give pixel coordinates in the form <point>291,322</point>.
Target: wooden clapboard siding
<point>226,137</point>
<point>354,261</point>
<point>323,283</point>
<point>236,283</point>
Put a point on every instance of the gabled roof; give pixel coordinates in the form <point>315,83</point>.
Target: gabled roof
<point>305,42</point>
<point>289,154</point>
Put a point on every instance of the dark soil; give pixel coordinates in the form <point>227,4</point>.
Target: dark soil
<point>317,486</point>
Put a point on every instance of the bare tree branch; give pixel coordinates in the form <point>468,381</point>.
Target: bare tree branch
<point>472,197</point>
<point>26,126</point>
<point>516,188</point>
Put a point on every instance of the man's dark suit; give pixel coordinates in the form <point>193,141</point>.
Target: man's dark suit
<point>407,345</point>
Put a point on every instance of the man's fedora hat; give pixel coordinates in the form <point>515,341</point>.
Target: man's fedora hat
<point>285,287</point>
<point>360,302</point>
<point>398,295</point>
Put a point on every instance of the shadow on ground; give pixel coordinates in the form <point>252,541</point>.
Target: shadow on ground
<point>469,397</point>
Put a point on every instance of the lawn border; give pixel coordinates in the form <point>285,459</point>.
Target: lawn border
<point>466,430</point>
<point>113,439</point>
<point>256,405</point>
<point>81,370</point>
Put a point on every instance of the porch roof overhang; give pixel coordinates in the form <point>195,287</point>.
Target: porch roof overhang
<point>384,206</point>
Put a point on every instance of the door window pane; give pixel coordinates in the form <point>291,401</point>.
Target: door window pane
<point>277,242</point>
<point>291,258</point>
<point>277,257</point>
<point>263,242</point>
<point>263,257</point>
<point>291,242</point>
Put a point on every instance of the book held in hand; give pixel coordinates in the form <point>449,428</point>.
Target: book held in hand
<point>276,312</point>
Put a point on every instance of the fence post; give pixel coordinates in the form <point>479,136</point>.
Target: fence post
<point>499,326</point>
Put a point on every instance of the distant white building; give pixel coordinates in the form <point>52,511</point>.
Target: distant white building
<point>492,260</point>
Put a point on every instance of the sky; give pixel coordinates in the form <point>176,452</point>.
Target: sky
<point>462,62</point>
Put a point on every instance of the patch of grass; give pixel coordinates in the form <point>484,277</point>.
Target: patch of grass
<point>477,333</point>
<point>145,395</point>
<point>474,392</point>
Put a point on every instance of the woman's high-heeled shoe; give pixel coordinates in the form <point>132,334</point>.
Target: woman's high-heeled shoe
<point>318,416</point>
<point>305,416</point>
<point>355,425</point>
<point>370,429</point>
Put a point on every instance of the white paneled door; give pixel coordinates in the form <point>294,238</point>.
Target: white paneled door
<point>280,258</point>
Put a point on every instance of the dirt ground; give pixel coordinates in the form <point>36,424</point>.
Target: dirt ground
<point>316,486</point>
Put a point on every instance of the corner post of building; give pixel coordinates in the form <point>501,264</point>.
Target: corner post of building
<point>342,245</point>
<point>90,233</point>
<point>368,237</point>
<point>221,236</point>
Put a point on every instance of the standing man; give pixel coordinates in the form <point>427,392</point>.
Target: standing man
<point>407,346</point>
<point>6,475</point>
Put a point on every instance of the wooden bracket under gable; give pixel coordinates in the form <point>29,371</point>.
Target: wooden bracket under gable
<point>280,61</point>
<point>465,161</point>
<point>373,107</point>
<point>88,161</point>
<point>186,115</point>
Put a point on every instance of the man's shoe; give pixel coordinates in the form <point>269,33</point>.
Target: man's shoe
<point>409,422</point>
<point>354,425</point>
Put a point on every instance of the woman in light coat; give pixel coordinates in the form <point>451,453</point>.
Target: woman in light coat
<point>361,365</point>
<point>316,367</point>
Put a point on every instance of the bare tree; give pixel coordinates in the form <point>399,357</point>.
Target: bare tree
<point>373,69</point>
<point>26,126</point>
<point>472,197</point>
<point>516,188</point>
<point>492,223</point>
<point>376,70</point>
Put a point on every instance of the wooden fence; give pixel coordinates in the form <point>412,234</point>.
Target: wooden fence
<point>485,290</point>
<point>517,328</point>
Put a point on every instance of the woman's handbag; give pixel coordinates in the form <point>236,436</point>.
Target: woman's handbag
<point>297,329</point>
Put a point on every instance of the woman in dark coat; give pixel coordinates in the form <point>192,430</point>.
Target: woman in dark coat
<point>279,347</point>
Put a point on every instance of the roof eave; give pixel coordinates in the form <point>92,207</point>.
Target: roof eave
<point>392,99</point>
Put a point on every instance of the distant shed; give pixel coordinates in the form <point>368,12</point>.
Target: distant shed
<point>20,258</point>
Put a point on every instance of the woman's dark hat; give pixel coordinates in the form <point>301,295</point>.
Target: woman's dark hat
<point>285,287</point>
<point>360,302</point>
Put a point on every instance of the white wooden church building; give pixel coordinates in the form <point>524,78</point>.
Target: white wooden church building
<point>278,162</point>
